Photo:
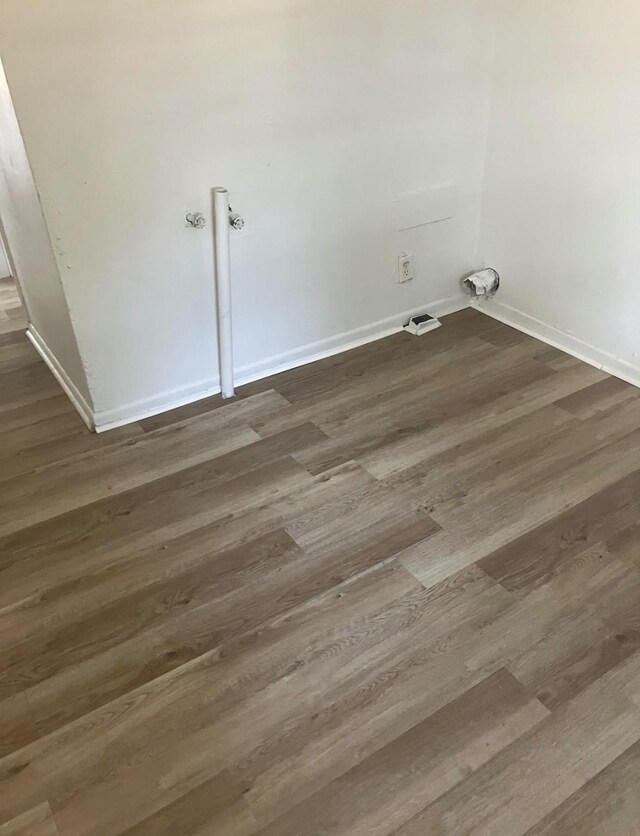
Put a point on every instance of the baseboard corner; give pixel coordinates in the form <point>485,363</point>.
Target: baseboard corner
<point>549,334</point>
<point>57,370</point>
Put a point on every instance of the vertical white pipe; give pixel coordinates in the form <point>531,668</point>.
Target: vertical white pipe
<point>222,258</point>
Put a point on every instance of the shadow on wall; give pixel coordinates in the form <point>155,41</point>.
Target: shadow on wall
<point>30,254</point>
<point>5,270</point>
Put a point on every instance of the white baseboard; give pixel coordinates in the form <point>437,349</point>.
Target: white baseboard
<point>344,342</point>
<point>137,411</point>
<point>104,420</point>
<point>75,396</point>
<point>603,360</point>
<point>110,419</point>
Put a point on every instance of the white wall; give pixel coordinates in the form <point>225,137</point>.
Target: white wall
<point>5,270</point>
<point>316,115</point>
<point>28,241</point>
<point>561,215</point>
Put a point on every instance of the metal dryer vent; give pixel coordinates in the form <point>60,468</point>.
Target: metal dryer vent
<point>482,285</point>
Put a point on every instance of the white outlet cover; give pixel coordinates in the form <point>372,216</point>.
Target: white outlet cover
<point>406,268</point>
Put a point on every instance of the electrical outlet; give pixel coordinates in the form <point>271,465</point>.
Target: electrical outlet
<point>406,270</point>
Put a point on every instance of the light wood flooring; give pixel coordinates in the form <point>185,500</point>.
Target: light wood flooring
<point>12,313</point>
<point>393,592</point>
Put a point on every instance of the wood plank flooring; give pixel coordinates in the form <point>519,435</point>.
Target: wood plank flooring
<point>393,592</point>
<point>12,314</point>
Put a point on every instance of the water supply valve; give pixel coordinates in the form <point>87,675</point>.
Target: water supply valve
<point>236,220</point>
<point>196,220</point>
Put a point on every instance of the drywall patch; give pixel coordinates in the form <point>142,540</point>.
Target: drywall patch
<point>428,206</point>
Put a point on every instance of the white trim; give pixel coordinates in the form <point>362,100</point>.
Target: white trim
<point>73,393</point>
<point>345,342</point>
<point>138,410</point>
<point>597,357</point>
<point>109,419</point>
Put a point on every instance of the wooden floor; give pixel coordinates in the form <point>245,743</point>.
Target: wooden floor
<point>12,314</point>
<point>394,592</point>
